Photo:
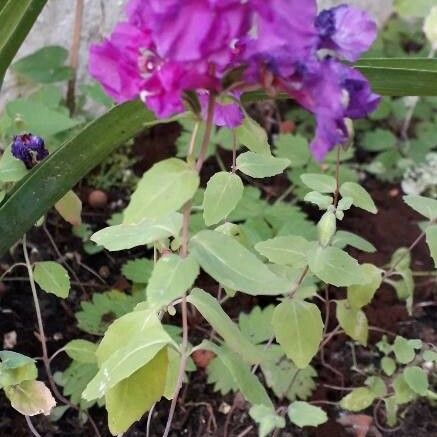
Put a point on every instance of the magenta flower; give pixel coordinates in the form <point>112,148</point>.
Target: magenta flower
<point>167,48</point>
<point>346,30</point>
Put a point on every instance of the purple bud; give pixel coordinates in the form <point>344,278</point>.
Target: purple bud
<point>28,148</point>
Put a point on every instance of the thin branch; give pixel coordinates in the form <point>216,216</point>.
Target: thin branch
<point>31,427</point>
<point>337,177</point>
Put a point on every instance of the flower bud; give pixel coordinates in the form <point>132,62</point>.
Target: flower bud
<point>28,148</point>
<point>326,228</point>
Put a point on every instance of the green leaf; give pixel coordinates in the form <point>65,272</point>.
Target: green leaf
<point>403,392</point>
<point>70,208</point>
<point>233,266</point>
<point>334,266</point>
<point>171,278</point>
<point>16,368</point>
<point>138,270</point>
<point>11,169</point>
<point>322,201</point>
<point>430,355</point>
<point>16,20</point>
<point>379,140</point>
<point>391,410</point>
<point>261,166</point>
<point>417,380</point>
<point>223,192</point>
<point>37,117</point>
<point>388,365</point>
<point>304,414</point>
<point>294,148</point>
<point>289,250</point>
<point>358,399</point>
<point>46,65</point>
<point>52,278</point>
<point>96,316</point>
<point>361,198</point>
<point>284,378</point>
<point>248,384</point>
<point>304,321</point>
<point>83,351</point>
<point>235,340</point>
<point>129,344</point>
<point>149,230</point>
<point>319,182</point>
<point>163,189</point>
<point>404,350</point>
<point>423,205</point>
<point>360,295</point>
<point>344,238</point>
<point>431,240</point>
<point>131,398</point>
<point>353,321</point>
<point>257,325</point>
<point>377,386</point>
<point>401,77</point>
<point>253,136</point>
<point>31,398</point>
<point>418,9</point>
<point>267,419</point>
<point>220,376</point>
<point>50,180</point>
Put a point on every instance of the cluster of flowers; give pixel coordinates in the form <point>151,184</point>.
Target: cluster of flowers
<point>169,47</point>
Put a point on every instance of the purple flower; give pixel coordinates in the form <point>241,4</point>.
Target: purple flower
<point>226,112</point>
<point>28,148</point>
<point>346,30</point>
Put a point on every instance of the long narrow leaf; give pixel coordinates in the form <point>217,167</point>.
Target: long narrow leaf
<point>16,19</point>
<point>57,174</point>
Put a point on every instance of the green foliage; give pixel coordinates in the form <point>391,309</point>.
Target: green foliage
<point>16,368</point>
<point>319,182</point>
<point>223,192</point>
<point>52,278</point>
<point>257,325</point>
<point>267,419</point>
<point>304,414</point>
<point>360,295</point>
<point>172,276</point>
<point>305,321</point>
<point>358,399</point>
<point>95,316</point>
<point>82,351</point>
<point>261,166</point>
<point>360,197</point>
<point>253,136</point>
<point>353,321</point>
<point>138,270</point>
<point>287,250</point>
<point>147,231</point>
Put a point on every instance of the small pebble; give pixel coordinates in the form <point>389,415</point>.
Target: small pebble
<point>98,199</point>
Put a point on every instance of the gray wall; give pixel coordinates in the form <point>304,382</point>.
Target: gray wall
<point>55,26</point>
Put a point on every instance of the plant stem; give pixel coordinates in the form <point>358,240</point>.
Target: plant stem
<point>31,427</point>
<point>74,55</point>
<point>43,339</point>
<point>184,253</point>
<point>337,177</point>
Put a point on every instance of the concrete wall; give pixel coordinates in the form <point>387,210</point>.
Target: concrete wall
<point>55,27</point>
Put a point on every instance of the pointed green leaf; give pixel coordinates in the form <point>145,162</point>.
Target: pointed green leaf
<point>360,295</point>
<point>298,328</point>
<point>334,266</point>
<point>171,278</point>
<point>16,368</point>
<point>261,166</point>
<point>304,414</point>
<point>16,20</point>
<point>210,308</point>
<point>128,345</point>
<point>289,250</point>
<point>361,198</point>
<point>233,266</point>
<point>52,278</point>
<point>127,236</point>
<point>319,182</point>
<point>319,199</point>
<point>388,365</point>
<point>344,238</point>
<point>223,192</point>
<point>423,205</point>
<point>131,398</point>
<point>353,321</point>
<point>253,136</point>
<point>163,189</point>
<point>403,392</point>
<point>358,399</point>
<point>70,208</point>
